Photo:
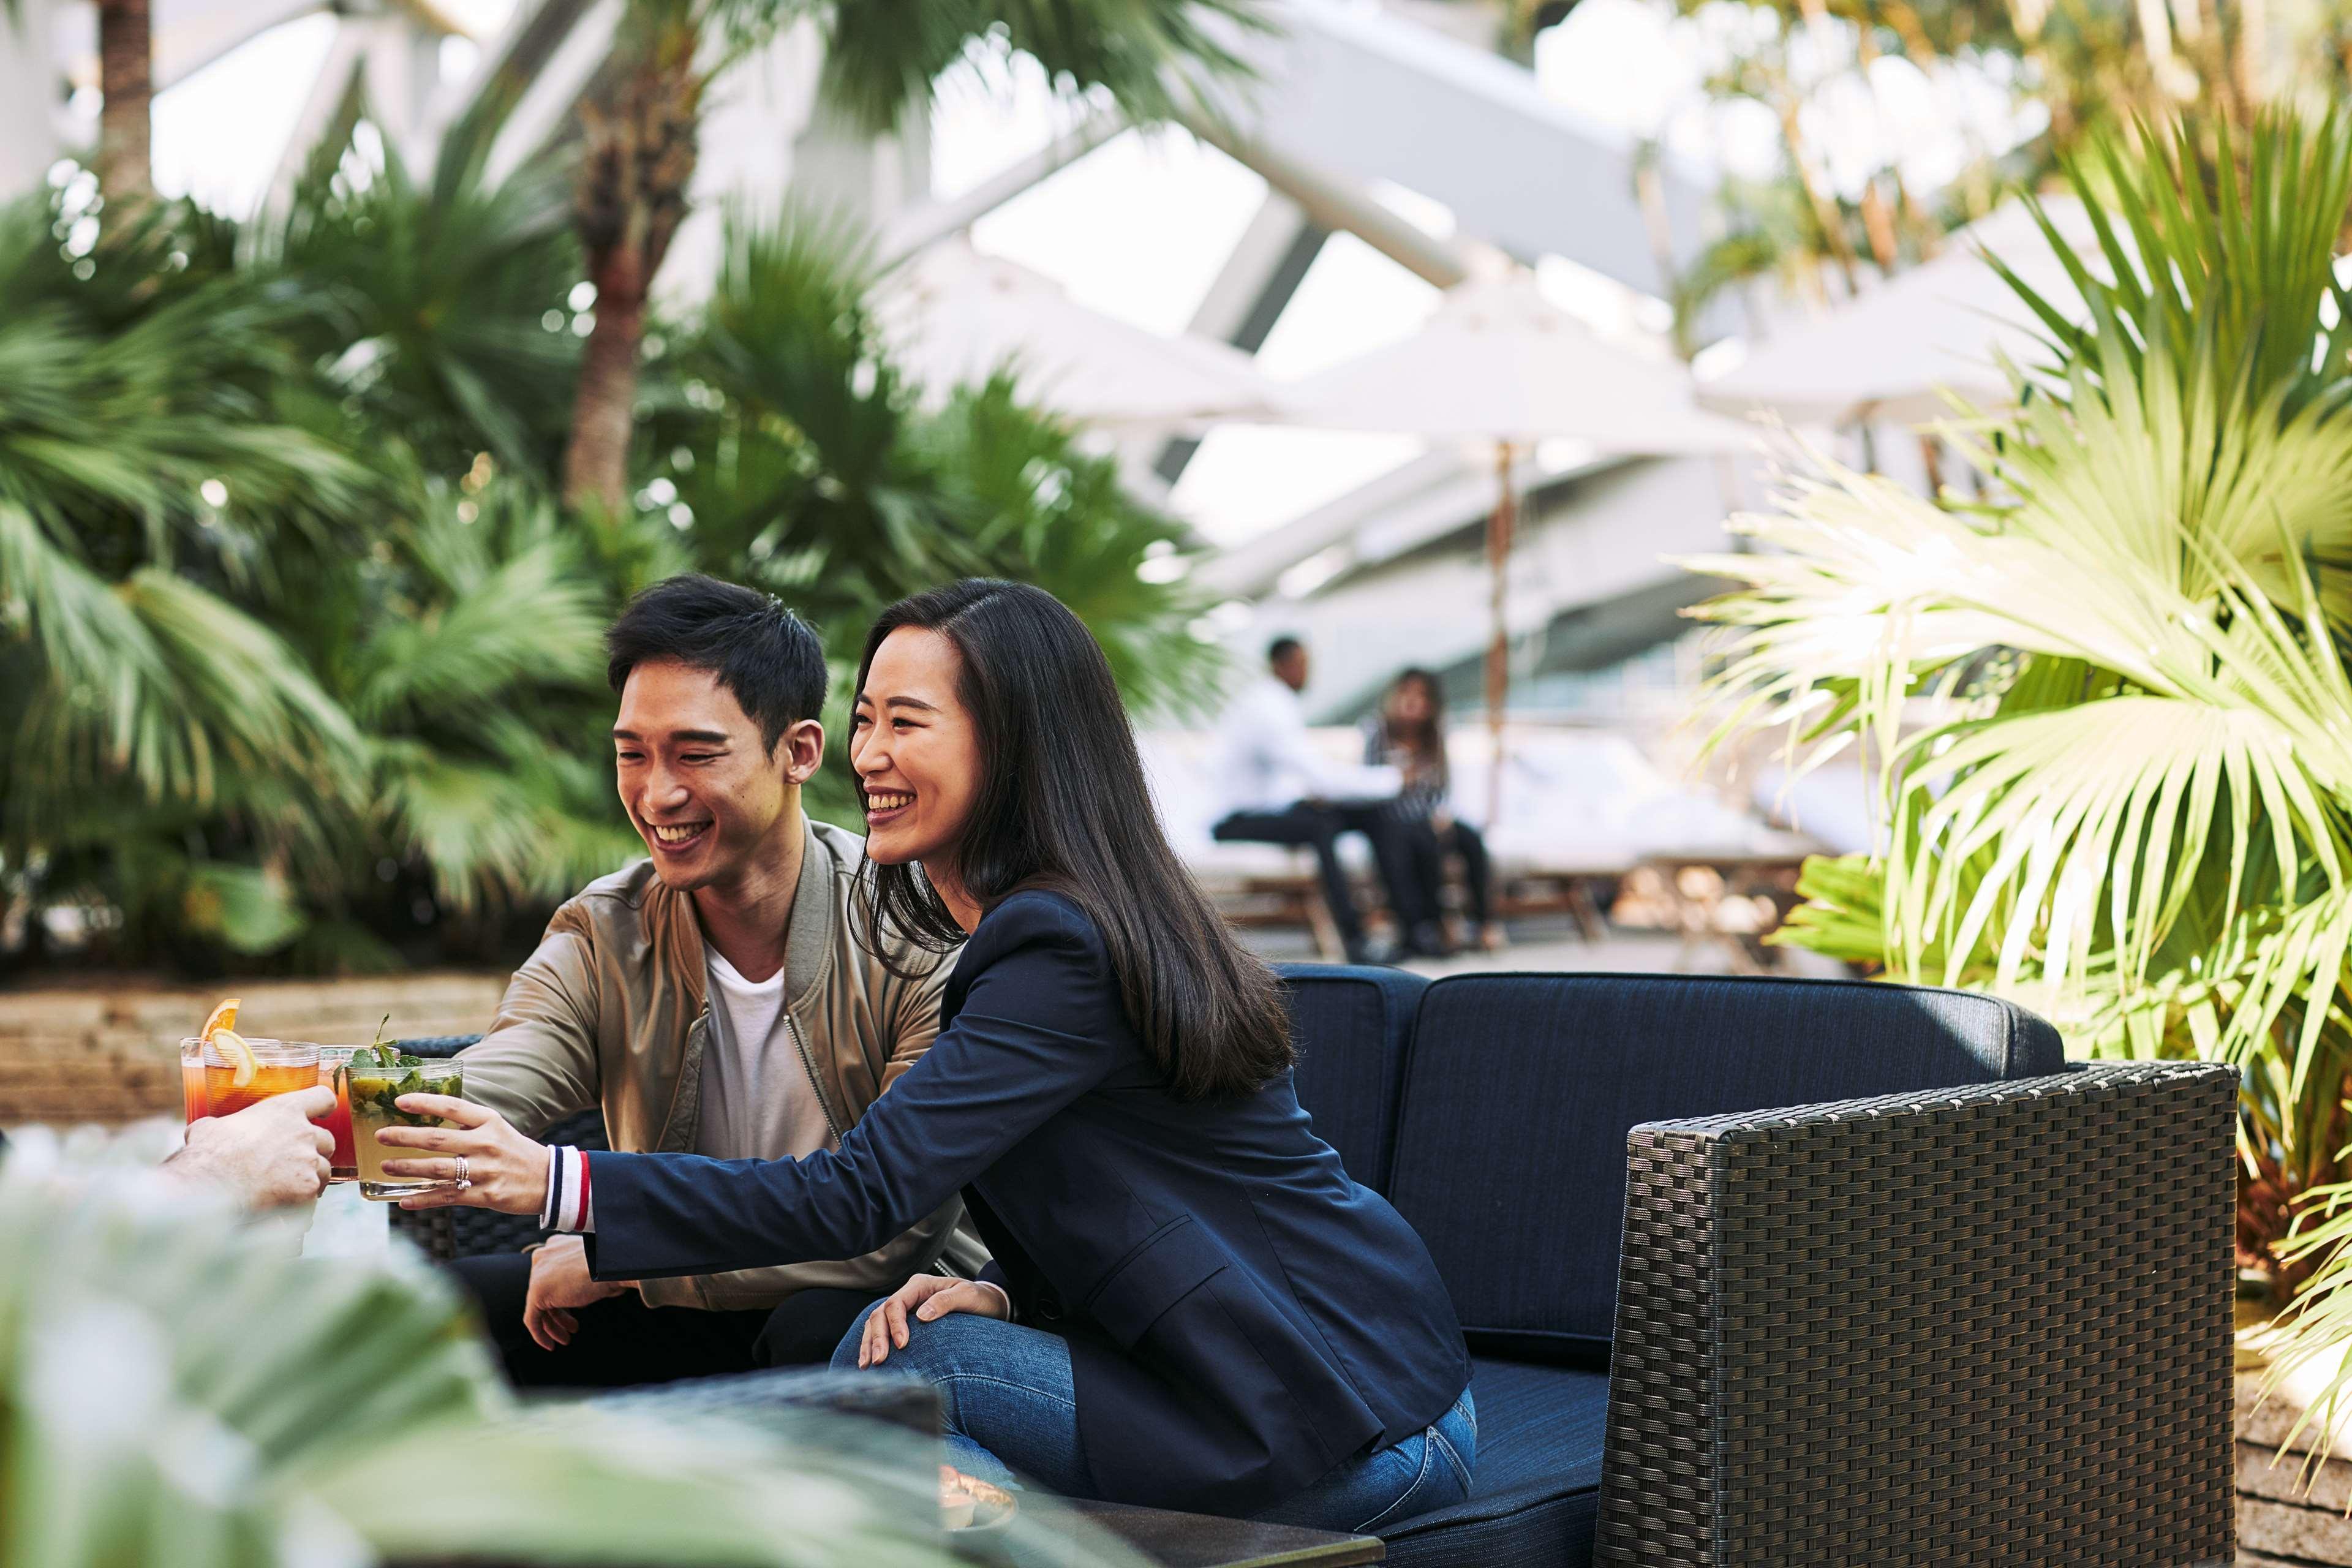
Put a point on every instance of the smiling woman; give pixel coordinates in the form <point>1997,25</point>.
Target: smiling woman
<point>1176,1253</point>
<point>918,757</point>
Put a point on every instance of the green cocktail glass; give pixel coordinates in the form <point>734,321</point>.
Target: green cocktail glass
<point>375,1086</point>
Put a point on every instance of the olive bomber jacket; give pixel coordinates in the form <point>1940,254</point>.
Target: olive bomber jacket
<point>610,1012</point>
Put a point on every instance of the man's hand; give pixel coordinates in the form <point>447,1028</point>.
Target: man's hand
<point>269,1155</point>
<point>560,1283</point>
<point>508,1170</point>
<point>929,1297</point>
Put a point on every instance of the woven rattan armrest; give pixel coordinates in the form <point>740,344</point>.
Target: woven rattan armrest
<point>1986,1326</point>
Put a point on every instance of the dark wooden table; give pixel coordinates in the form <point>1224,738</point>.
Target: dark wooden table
<point>1198,1540</point>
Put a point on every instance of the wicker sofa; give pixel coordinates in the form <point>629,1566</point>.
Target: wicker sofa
<point>1770,1272</point>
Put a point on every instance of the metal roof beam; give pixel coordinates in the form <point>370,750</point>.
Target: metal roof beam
<point>1353,90</point>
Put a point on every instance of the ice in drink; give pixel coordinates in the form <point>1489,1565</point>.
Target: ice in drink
<point>279,1067</point>
<point>377,1080</point>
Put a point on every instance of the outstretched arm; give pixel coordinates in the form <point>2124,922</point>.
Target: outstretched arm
<point>1028,1041</point>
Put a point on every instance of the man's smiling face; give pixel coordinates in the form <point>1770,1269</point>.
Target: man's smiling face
<point>701,786</point>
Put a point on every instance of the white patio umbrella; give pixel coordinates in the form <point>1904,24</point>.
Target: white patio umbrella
<point>1499,363</point>
<point>956,315</point>
<point>1887,354</point>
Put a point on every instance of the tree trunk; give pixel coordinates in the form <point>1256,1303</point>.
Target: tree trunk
<point>604,410</point>
<point>637,159</point>
<point>126,86</point>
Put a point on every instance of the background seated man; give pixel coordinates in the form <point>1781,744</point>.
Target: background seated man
<point>1280,790</point>
<point>710,999</point>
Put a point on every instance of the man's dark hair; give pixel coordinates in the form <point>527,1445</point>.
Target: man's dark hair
<point>1281,648</point>
<point>759,651</point>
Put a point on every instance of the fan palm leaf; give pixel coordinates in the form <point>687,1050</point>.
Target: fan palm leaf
<point>1153,57</point>
<point>442,304</point>
<point>2105,710</point>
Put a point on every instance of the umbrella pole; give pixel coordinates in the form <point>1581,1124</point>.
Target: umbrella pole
<point>1498,647</point>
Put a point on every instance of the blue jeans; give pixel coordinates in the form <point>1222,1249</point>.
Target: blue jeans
<point>1008,1403</point>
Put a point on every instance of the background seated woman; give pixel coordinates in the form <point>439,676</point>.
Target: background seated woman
<point>1408,733</point>
<point>1192,1305</point>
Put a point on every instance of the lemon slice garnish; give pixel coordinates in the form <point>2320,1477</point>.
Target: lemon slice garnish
<point>232,1046</point>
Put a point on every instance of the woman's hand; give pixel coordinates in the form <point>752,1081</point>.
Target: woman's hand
<point>506,1170</point>
<point>928,1296</point>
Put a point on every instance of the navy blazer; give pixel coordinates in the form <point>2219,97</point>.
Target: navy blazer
<point>1241,1316</point>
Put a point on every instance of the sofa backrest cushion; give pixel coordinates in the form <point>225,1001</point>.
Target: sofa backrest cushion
<point>1519,1091</point>
<point>1351,1025</point>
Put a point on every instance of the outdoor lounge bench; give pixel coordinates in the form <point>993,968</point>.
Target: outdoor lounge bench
<point>1770,1272</point>
<point>1955,1302</point>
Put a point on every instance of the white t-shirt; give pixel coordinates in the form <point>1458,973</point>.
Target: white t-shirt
<point>757,1102</point>
<point>1270,764</point>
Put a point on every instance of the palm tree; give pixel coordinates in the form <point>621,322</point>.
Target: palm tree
<point>297,660</point>
<point>144,473</point>
<point>2107,716</point>
<point>126,57</point>
<point>797,456</point>
<point>639,123</point>
<point>441,307</point>
<point>255,645</point>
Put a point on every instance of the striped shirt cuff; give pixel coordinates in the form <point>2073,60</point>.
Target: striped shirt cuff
<point>567,1208</point>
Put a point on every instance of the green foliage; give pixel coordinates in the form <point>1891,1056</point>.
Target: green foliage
<point>177,1388</point>
<point>807,465</point>
<point>2106,712</point>
<point>298,671</point>
<point>441,310</point>
<point>1151,58</point>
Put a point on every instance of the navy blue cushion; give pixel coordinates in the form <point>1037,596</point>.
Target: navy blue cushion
<point>1519,1089</point>
<point>1351,1025</point>
<point>1536,1487</point>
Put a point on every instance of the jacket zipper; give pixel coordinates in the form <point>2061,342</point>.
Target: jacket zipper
<point>809,1067</point>
<point>661,1139</point>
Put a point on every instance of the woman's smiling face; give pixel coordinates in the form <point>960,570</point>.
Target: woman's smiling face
<point>916,750</point>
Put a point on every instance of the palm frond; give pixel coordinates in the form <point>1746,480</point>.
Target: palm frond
<point>1152,57</point>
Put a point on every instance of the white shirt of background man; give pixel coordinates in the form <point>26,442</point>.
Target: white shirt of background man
<point>1271,764</point>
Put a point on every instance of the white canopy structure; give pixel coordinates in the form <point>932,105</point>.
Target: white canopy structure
<point>1499,363</point>
<point>956,316</point>
<point>1941,327</point>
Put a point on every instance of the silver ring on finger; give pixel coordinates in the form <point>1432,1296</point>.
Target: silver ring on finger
<point>464,1181</point>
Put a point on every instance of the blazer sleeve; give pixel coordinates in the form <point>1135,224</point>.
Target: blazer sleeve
<point>1029,1038</point>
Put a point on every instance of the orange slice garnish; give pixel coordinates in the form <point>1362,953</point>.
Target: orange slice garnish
<point>231,1044</point>
<point>220,1033</point>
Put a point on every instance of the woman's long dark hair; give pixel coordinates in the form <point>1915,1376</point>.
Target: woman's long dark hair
<point>1427,739</point>
<point>1063,807</point>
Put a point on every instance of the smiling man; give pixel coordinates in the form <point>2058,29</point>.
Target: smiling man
<point>710,999</point>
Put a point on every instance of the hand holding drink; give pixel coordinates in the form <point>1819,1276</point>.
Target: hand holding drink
<point>477,1161</point>
<point>223,1071</point>
<point>375,1079</point>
